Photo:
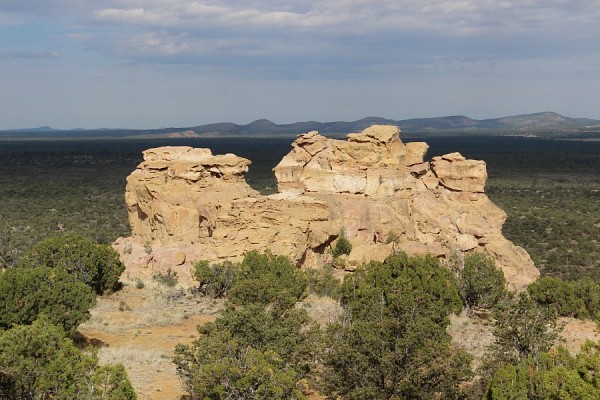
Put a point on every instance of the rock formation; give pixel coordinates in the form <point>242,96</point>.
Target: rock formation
<point>186,204</point>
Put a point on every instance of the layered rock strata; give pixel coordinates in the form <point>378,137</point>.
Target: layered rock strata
<point>186,204</point>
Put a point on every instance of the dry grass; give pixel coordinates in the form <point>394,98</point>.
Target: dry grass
<point>139,327</point>
<point>472,334</point>
<point>130,356</point>
<point>323,310</point>
<point>153,305</point>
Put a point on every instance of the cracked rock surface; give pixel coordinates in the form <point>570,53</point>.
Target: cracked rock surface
<point>186,204</point>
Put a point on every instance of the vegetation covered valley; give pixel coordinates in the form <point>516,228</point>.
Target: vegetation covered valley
<point>267,330</point>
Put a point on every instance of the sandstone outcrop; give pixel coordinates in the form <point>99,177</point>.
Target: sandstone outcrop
<point>186,204</point>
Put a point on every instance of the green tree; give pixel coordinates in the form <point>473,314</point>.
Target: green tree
<point>392,340</point>
<point>39,362</point>
<point>261,347</point>
<point>94,264</point>
<point>558,295</point>
<point>267,279</point>
<point>217,366</point>
<point>588,290</point>
<point>480,283</point>
<point>523,329</point>
<point>555,375</point>
<point>216,279</point>
<point>342,246</point>
<point>25,293</point>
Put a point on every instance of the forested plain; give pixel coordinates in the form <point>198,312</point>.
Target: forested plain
<point>550,190</point>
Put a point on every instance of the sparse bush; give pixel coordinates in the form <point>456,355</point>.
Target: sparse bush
<point>261,347</point>
<point>392,237</point>
<point>578,299</point>
<point>556,375</point>
<point>216,279</point>
<point>168,278</point>
<point>267,279</point>
<point>523,329</point>
<point>480,283</point>
<point>94,264</point>
<point>343,245</point>
<point>392,341</point>
<point>558,295</point>
<point>123,306</point>
<point>25,293</point>
<point>139,284</point>
<point>322,283</point>
<point>39,362</point>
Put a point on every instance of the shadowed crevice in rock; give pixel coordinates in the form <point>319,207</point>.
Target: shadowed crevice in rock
<point>379,190</point>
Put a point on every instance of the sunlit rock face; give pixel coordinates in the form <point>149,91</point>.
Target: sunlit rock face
<point>186,204</point>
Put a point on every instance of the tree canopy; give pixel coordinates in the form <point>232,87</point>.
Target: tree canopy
<point>392,340</point>
<point>38,361</point>
<point>94,264</point>
<point>25,293</point>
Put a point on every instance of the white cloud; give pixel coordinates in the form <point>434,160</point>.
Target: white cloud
<point>29,54</point>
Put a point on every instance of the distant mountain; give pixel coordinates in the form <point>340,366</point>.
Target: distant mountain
<point>547,123</point>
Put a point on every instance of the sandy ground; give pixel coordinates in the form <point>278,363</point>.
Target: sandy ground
<point>140,328</point>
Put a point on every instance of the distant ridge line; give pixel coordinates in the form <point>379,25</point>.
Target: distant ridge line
<point>543,121</point>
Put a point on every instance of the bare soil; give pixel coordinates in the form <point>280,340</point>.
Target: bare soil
<point>140,328</point>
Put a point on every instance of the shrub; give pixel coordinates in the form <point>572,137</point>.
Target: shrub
<point>558,295</point>
<point>392,341</point>
<point>523,329</point>
<point>343,246</point>
<point>578,299</point>
<point>216,279</point>
<point>25,293</point>
<point>322,283</point>
<point>168,278</point>
<point>556,375</point>
<point>480,283</point>
<point>94,264</point>
<point>261,347</point>
<point>40,362</point>
<point>267,279</point>
<point>588,290</point>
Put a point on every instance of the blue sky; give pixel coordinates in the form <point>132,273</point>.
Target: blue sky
<point>157,63</point>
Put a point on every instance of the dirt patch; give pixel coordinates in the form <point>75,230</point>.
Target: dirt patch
<point>140,328</point>
<point>576,332</point>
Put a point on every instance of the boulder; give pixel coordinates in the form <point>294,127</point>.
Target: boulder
<point>187,204</point>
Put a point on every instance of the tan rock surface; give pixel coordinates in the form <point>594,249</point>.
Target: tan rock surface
<point>187,204</point>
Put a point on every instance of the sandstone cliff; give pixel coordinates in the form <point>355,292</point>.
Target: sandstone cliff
<point>186,204</point>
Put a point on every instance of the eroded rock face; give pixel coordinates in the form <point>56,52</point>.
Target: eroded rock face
<point>187,204</point>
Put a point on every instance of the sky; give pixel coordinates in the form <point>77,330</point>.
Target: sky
<point>161,63</point>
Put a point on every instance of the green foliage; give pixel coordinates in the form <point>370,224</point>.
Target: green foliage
<point>267,279</point>
<point>93,264</point>
<point>216,279</point>
<point>342,246</point>
<point>523,329</point>
<point>217,366</point>
<point>480,283</point>
<point>588,290</point>
<point>556,375</point>
<point>322,283</point>
<point>261,347</point>
<point>39,362</point>
<point>8,251</point>
<point>579,299</point>
<point>168,278</point>
<point>25,293</point>
<point>392,340</point>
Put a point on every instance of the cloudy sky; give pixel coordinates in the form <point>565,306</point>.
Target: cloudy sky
<point>156,63</point>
